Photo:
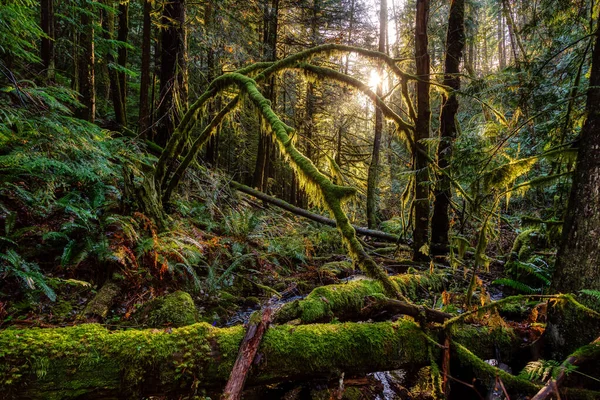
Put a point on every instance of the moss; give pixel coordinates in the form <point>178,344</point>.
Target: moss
<point>346,300</point>
<point>483,341</point>
<point>352,393</point>
<point>62,308</point>
<point>486,372</point>
<point>336,268</point>
<point>101,303</point>
<point>175,309</point>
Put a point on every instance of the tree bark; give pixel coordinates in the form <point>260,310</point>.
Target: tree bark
<point>263,157</point>
<point>123,36</point>
<point>373,173</point>
<point>108,24</point>
<point>455,43</point>
<point>248,349</point>
<point>421,202</point>
<point>578,260</point>
<point>47,47</point>
<point>144,117</point>
<point>86,75</point>
<point>173,86</point>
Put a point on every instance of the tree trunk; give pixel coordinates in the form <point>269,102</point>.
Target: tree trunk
<point>86,75</point>
<point>108,25</point>
<point>263,157</point>
<point>421,203</point>
<point>312,216</point>
<point>144,117</point>
<point>578,260</point>
<point>123,36</point>
<point>373,174</point>
<point>47,48</point>
<point>89,361</point>
<point>455,43</point>
<point>173,89</point>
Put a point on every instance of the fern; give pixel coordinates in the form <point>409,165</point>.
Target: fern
<point>28,273</point>
<point>543,370</point>
<point>516,285</point>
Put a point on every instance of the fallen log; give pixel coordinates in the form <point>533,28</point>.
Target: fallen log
<point>346,301</point>
<point>258,325</point>
<point>89,361</point>
<point>312,216</point>
<point>401,307</point>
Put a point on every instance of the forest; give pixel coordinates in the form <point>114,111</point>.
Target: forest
<point>300,199</point>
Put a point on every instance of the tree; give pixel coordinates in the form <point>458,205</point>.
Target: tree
<point>578,260</point>
<point>144,115</point>
<point>173,82</point>
<point>420,159</point>
<point>47,25</point>
<point>373,173</point>
<point>455,43</point>
<point>86,64</point>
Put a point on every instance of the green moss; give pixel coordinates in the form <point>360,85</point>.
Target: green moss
<point>486,372</point>
<point>352,393</point>
<point>62,308</point>
<point>175,309</point>
<point>346,300</point>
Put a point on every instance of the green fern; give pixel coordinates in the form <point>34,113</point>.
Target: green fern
<point>28,273</point>
<point>543,370</point>
<point>516,285</point>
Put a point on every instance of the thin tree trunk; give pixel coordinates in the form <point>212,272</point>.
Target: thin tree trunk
<point>47,47</point>
<point>87,86</point>
<point>373,173</point>
<point>421,203</point>
<point>144,118</point>
<point>113,84</point>
<point>173,90</point>
<point>455,43</point>
<point>123,36</point>
<point>263,168</point>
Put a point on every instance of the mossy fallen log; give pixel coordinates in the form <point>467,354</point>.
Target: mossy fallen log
<point>89,361</point>
<point>346,300</point>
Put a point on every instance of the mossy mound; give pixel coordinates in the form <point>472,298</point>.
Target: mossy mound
<point>175,309</point>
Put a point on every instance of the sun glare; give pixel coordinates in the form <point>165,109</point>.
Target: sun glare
<point>374,79</point>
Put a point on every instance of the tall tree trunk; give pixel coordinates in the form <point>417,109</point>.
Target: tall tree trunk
<point>173,87</point>
<point>144,118</point>
<point>578,260</point>
<point>373,174</point>
<point>501,40</point>
<point>455,43</point>
<point>123,36</point>
<point>212,147</point>
<point>47,47</point>
<point>108,25</point>
<point>421,228</point>
<point>270,26</point>
<point>86,61</point>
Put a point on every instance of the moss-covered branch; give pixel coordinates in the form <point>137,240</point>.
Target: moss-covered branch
<point>320,189</point>
<point>89,361</point>
<point>196,147</point>
<point>346,301</point>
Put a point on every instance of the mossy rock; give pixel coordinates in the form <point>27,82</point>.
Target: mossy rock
<point>175,309</point>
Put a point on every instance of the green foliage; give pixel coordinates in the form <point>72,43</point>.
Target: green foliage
<point>14,266</point>
<point>544,370</point>
<point>19,31</point>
